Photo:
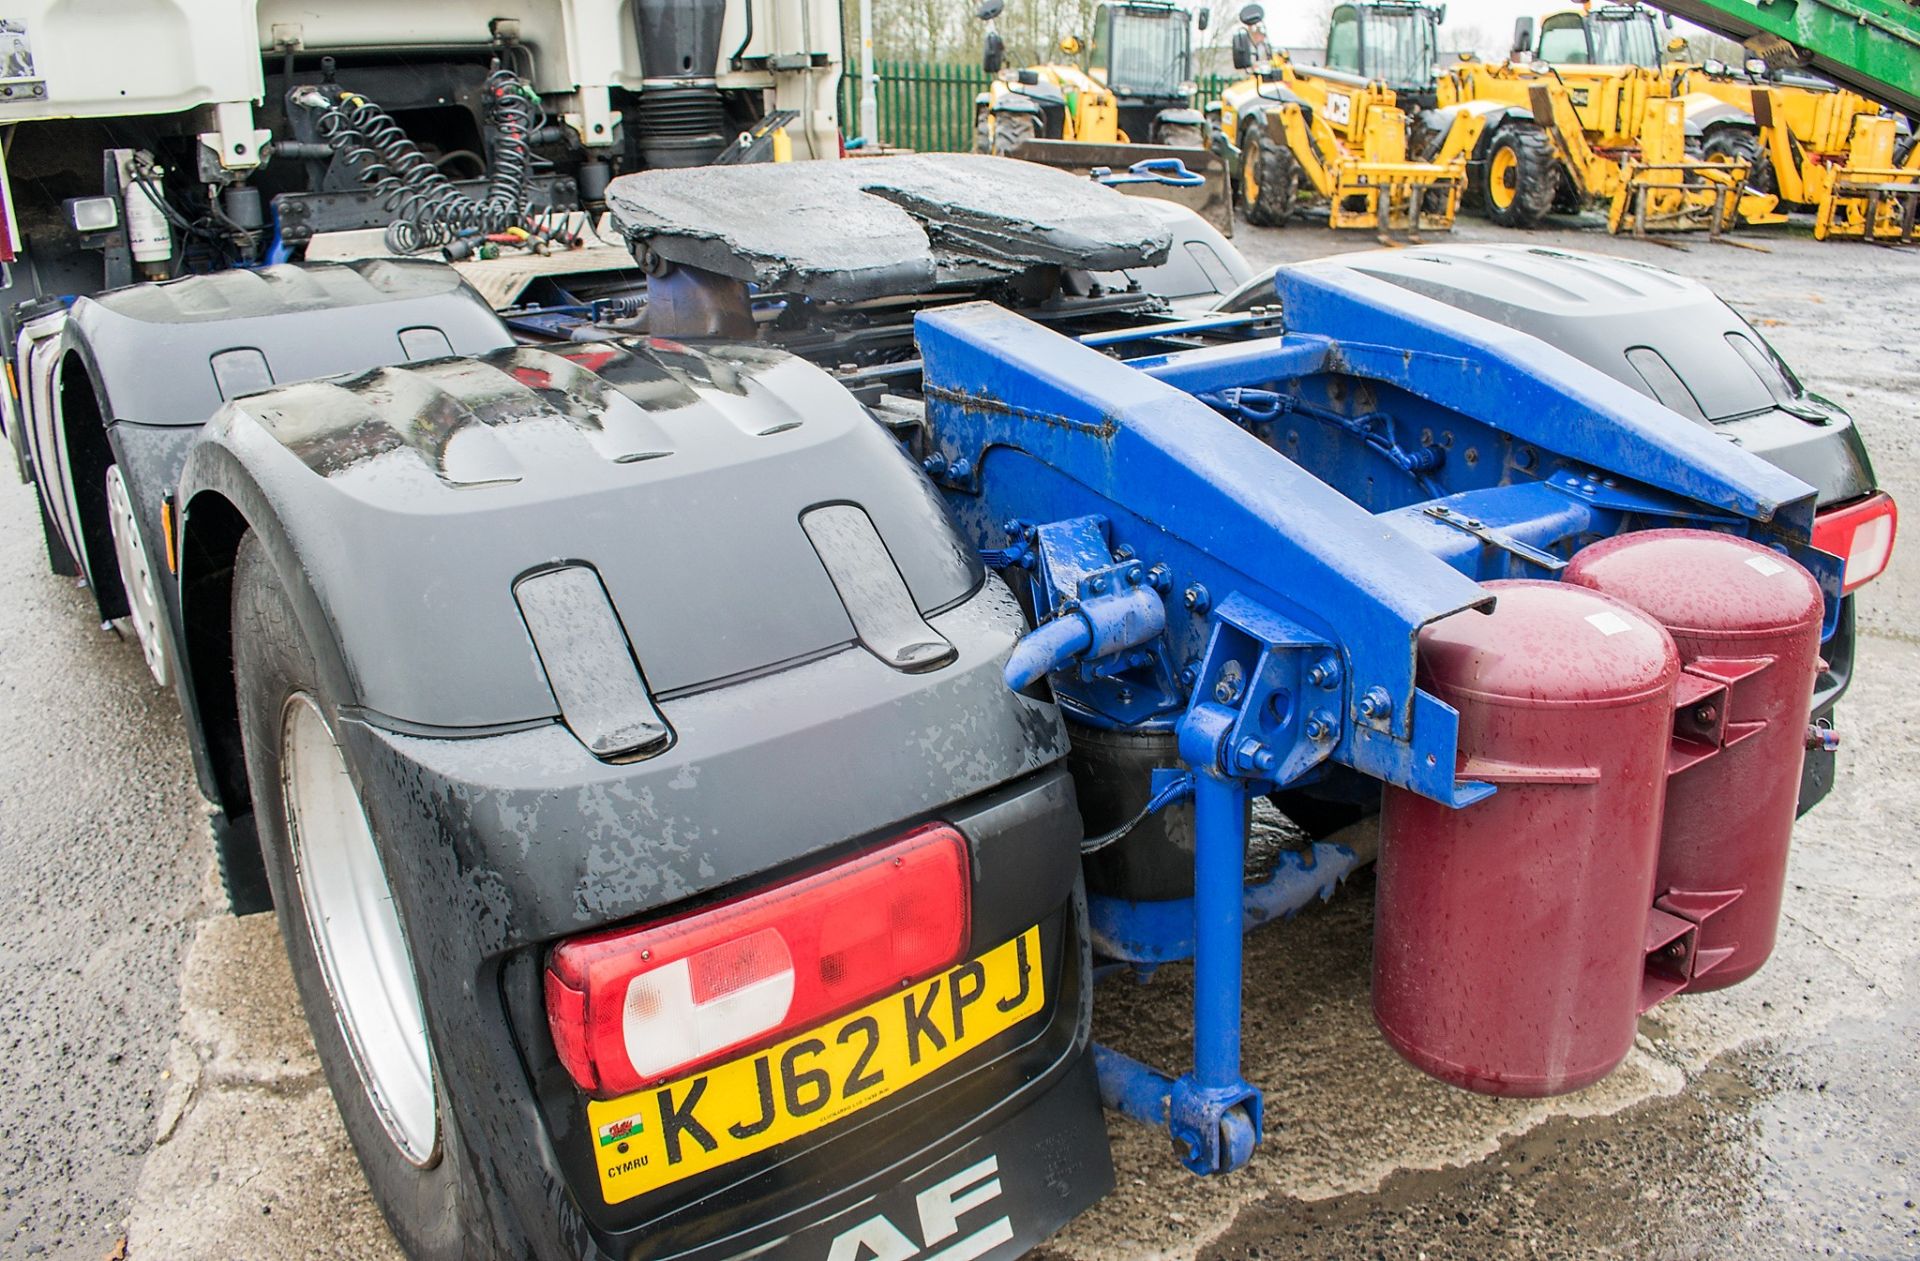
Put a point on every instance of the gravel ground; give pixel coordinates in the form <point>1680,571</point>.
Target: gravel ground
<point>157,1080</point>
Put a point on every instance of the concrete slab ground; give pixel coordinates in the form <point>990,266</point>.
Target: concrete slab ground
<point>250,1159</point>
<point>1774,1120</point>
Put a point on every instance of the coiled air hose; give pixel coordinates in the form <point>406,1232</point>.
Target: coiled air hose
<point>428,209</point>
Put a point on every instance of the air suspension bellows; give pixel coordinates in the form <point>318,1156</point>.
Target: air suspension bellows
<point>1747,622</point>
<point>682,116</point>
<point>1509,936</point>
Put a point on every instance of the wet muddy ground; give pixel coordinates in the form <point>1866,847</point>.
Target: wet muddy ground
<point>157,1080</point>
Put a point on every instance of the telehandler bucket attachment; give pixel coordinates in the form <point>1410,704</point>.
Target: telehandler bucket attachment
<point>1212,200</point>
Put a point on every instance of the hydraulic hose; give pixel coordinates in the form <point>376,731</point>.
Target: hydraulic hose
<point>428,209</point>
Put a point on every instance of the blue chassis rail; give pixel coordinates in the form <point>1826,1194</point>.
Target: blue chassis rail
<point>1192,575</point>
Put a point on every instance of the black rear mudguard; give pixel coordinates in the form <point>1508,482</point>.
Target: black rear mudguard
<point>161,359</point>
<point>399,509</point>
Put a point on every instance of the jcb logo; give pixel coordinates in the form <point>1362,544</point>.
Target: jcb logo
<point>940,1205</point>
<point>1339,108</point>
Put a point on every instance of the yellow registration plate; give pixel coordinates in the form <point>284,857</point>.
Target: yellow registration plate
<point>653,1137</point>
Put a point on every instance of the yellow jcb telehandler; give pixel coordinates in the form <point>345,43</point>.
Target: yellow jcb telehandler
<point>1574,121</point>
<point>1312,132</point>
<point>1817,146</point>
<point>1800,138</point>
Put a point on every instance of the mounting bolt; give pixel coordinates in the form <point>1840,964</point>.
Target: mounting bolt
<point>1319,726</point>
<point>1325,673</point>
<point>960,470</point>
<point>1257,755</point>
<point>935,464</point>
<point>1705,714</point>
<point>1189,674</point>
<point>1133,575</point>
<point>1376,704</point>
<point>1196,599</point>
<point>1227,690</point>
<point>1097,584</point>
<point>1014,527</point>
<point>1160,578</point>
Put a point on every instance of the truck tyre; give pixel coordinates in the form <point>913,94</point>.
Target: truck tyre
<point>16,440</point>
<point>1181,135</point>
<point>344,933</point>
<point>1269,178</point>
<point>59,559</point>
<point>1729,145</point>
<point>145,608</point>
<point>1522,176</point>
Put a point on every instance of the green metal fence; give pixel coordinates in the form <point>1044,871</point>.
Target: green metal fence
<point>928,106</point>
<point>925,106</point>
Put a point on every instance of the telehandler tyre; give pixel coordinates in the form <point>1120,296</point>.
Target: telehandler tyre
<point>1182,136</point>
<point>1001,133</point>
<point>1522,176</point>
<point>1269,178</point>
<point>1731,145</point>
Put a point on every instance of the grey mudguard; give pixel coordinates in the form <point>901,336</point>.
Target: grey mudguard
<point>409,500</point>
<point>845,231</point>
<point>164,357</point>
<point>1597,309</point>
<point>539,840</point>
<point>401,505</point>
<point>171,353</point>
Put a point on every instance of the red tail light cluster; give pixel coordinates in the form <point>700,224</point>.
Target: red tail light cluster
<point>639,1005</point>
<point>1860,533</point>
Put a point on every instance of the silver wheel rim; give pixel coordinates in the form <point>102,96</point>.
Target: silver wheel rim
<point>356,932</point>
<point>136,577</point>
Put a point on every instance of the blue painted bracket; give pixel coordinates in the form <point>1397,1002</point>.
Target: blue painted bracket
<point>1184,565</point>
<point>1027,425</point>
<point>1163,932</point>
<point>1345,321</point>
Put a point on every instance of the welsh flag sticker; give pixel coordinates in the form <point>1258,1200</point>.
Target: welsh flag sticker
<point>614,1131</point>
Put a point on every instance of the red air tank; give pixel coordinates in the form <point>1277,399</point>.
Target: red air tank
<point>1509,936</point>
<point>1747,623</point>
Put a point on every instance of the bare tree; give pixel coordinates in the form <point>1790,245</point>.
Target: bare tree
<point>1469,37</point>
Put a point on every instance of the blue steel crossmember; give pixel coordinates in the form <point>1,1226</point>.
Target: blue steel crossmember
<point>1188,573</point>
